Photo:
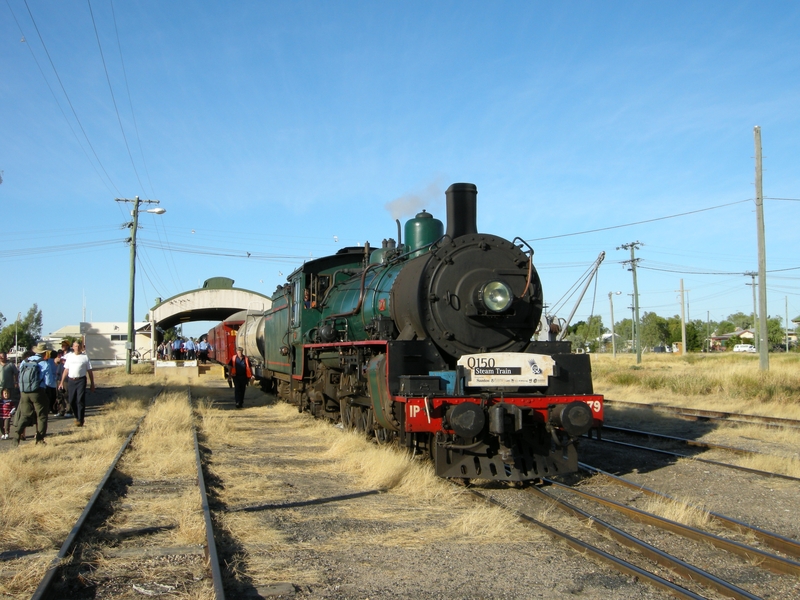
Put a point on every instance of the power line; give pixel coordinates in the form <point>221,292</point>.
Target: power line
<point>172,268</point>
<point>130,100</point>
<point>201,250</point>
<point>691,212</point>
<point>686,272</point>
<point>113,99</point>
<point>61,248</point>
<point>63,89</point>
<point>55,98</point>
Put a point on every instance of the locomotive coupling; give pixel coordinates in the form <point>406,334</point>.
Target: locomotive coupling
<point>575,418</point>
<point>497,418</point>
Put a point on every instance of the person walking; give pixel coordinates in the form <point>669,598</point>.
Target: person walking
<point>48,366</point>
<point>241,373</point>
<point>33,404</point>
<point>77,367</point>
<point>7,406</point>
<point>8,374</point>
<point>176,349</point>
<point>202,351</point>
<point>190,350</point>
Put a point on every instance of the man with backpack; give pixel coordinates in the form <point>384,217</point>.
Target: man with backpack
<point>33,403</point>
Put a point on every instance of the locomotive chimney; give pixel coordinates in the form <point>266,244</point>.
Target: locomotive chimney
<point>462,201</point>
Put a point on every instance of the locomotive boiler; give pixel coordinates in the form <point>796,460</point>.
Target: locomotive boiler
<point>429,342</point>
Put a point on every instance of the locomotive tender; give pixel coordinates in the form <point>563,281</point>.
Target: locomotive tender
<point>429,342</point>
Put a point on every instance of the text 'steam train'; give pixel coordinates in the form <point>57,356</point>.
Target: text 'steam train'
<point>430,342</point>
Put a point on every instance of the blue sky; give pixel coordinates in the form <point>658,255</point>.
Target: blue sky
<point>285,129</point>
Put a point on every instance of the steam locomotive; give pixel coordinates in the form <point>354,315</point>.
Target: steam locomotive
<point>431,343</point>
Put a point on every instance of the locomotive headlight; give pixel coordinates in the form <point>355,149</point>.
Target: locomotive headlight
<point>496,296</point>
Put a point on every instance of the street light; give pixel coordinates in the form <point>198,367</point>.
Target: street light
<point>613,336</point>
<point>130,345</point>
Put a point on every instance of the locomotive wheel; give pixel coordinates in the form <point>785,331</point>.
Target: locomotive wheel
<point>361,416</point>
<point>346,409</point>
<point>384,436</point>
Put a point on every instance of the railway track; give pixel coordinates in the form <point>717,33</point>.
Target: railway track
<point>778,542</point>
<point>711,415</point>
<point>649,560</point>
<point>674,454</point>
<point>623,566</point>
<point>99,557</point>
<point>680,440</point>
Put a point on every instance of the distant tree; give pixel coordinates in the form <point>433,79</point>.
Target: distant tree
<point>741,320</point>
<point>655,330</point>
<point>624,332</point>
<point>776,336</point>
<point>28,330</point>
<point>724,327</point>
<point>585,334</point>
<point>695,335</point>
<point>170,334</point>
<point>674,328</point>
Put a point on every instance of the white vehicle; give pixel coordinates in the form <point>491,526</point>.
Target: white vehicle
<point>744,348</point>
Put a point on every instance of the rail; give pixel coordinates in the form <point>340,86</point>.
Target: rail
<point>778,542</point>
<point>621,565</point>
<point>712,414</point>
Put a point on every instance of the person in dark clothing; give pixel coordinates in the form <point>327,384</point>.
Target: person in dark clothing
<point>33,404</point>
<point>239,370</point>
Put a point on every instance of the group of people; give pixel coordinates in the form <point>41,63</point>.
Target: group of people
<point>184,349</point>
<point>45,382</point>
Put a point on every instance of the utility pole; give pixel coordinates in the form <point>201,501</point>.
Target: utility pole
<point>16,339</point>
<point>633,325</point>
<point>130,345</point>
<point>786,299</point>
<point>763,336</point>
<point>633,262</point>
<point>708,330</point>
<point>683,323</point>
<point>613,335</point>
<point>752,275</point>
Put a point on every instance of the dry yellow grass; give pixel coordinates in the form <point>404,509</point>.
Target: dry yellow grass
<point>164,449</point>
<point>726,382</point>
<point>678,510</point>
<point>44,489</point>
<point>786,465</point>
<point>419,508</point>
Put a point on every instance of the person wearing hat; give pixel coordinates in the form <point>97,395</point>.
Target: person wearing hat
<point>77,367</point>
<point>240,372</point>
<point>33,403</point>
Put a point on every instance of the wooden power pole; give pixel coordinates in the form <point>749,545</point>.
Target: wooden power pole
<point>763,334</point>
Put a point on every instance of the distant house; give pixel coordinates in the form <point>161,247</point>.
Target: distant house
<point>105,342</point>
<point>718,341</point>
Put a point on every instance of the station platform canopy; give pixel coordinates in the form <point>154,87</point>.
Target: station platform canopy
<point>215,301</point>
